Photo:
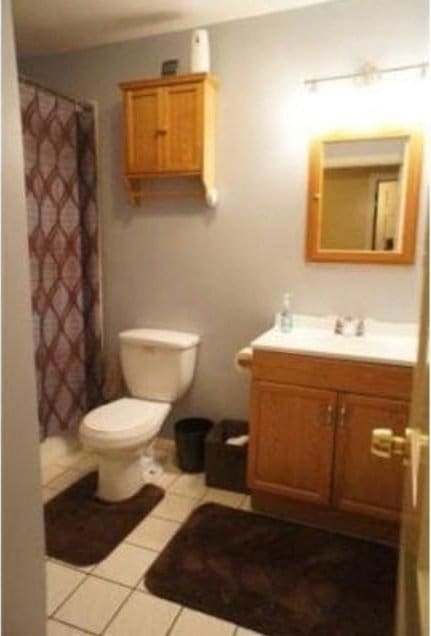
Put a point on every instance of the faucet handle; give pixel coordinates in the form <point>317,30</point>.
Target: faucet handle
<point>349,326</point>
<point>338,329</point>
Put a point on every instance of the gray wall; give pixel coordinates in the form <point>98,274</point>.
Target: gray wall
<point>222,273</point>
<point>23,574</point>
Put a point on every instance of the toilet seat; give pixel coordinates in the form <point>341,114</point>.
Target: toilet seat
<point>123,423</point>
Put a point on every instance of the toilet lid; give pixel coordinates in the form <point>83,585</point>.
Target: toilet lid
<point>126,416</point>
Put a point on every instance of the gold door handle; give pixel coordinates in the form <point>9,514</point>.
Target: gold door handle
<point>384,443</point>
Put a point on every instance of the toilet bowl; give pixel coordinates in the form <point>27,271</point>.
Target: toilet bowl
<point>118,433</point>
<point>158,367</point>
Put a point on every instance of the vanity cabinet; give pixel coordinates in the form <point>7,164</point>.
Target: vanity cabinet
<point>310,435</point>
<point>169,129</point>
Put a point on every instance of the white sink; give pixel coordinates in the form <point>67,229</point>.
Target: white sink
<point>388,343</point>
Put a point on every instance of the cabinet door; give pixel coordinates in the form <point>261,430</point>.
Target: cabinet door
<point>365,483</point>
<point>292,441</point>
<point>144,132</point>
<point>183,122</point>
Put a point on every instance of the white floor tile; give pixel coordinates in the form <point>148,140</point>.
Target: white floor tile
<point>47,494</point>
<point>191,622</point>
<point>63,481</point>
<point>127,564</point>
<point>51,471</point>
<point>246,504</point>
<point>166,480</point>
<point>60,582</point>
<point>189,486</point>
<point>246,632</point>
<point>153,533</point>
<point>170,466</point>
<point>174,507</point>
<point>71,459</point>
<point>54,628</point>
<point>93,604</point>
<point>81,568</point>
<point>224,497</point>
<point>87,463</point>
<point>144,615</point>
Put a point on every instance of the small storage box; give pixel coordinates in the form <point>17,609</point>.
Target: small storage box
<point>226,465</point>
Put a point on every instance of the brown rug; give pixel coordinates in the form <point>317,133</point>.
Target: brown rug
<point>277,578</point>
<point>82,530</point>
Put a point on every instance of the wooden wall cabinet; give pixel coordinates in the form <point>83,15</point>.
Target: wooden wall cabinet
<point>169,132</point>
<point>310,435</point>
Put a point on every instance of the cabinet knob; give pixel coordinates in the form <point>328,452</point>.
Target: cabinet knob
<point>329,413</point>
<point>161,131</point>
<point>342,422</point>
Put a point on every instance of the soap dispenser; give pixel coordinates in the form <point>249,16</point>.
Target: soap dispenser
<point>284,318</point>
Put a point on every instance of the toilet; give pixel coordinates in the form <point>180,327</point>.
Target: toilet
<point>158,368</point>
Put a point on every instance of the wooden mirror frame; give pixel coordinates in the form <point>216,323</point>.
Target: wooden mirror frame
<point>406,256</point>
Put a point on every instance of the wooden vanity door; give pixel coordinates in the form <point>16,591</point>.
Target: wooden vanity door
<point>292,441</point>
<point>183,114</point>
<point>364,483</point>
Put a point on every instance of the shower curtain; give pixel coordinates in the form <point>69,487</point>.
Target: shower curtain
<point>60,174</point>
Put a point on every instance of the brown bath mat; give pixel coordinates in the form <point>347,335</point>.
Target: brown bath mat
<point>83,530</point>
<point>277,578</point>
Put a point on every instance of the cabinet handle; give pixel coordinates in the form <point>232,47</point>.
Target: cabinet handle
<point>161,131</point>
<point>329,412</point>
<point>342,423</point>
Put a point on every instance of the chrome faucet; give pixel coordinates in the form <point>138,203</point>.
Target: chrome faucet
<point>349,326</point>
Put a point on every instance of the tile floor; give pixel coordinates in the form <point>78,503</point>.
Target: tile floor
<point>111,598</point>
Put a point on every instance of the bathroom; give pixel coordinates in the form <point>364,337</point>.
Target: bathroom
<point>178,263</point>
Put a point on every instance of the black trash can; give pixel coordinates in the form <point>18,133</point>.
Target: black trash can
<point>190,436</point>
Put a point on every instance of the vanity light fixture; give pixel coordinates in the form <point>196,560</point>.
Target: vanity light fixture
<point>369,98</point>
<point>368,74</point>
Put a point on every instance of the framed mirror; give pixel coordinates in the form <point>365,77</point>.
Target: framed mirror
<point>363,197</point>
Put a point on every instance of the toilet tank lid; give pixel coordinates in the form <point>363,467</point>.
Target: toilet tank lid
<point>160,338</point>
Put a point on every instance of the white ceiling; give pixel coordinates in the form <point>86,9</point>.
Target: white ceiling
<point>53,26</point>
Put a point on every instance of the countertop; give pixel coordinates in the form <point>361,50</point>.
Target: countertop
<point>383,342</point>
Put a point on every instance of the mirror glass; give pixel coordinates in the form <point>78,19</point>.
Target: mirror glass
<point>363,194</point>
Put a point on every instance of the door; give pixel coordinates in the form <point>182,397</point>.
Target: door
<point>413,586</point>
<point>364,483</point>
<point>144,130</point>
<point>183,117</point>
<point>292,441</point>
<point>385,235</point>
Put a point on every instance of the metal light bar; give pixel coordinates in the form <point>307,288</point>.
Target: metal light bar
<point>364,73</point>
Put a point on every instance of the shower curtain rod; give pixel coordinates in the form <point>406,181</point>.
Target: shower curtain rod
<point>78,102</point>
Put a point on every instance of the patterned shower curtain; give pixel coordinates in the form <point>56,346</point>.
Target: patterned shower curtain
<point>60,167</point>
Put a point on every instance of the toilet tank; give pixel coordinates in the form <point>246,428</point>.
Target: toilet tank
<point>158,365</point>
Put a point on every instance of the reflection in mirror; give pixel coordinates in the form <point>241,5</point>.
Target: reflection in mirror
<point>363,193</point>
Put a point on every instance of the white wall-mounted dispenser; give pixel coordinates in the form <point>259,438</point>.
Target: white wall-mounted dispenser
<point>200,52</point>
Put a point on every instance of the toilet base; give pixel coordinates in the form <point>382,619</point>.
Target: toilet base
<point>151,470</point>
<point>120,476</point>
